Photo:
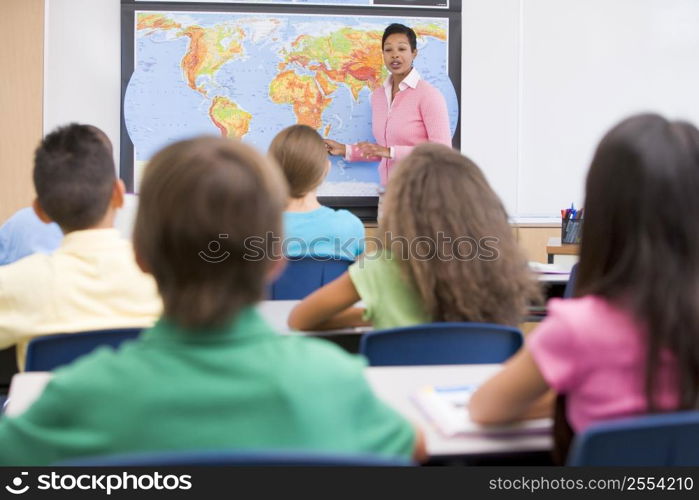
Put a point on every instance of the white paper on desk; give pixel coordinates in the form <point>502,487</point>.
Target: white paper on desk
<point>446,407</point>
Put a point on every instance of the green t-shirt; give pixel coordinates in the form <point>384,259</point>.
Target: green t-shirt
<point>241,387</point>
<point>390,299</point>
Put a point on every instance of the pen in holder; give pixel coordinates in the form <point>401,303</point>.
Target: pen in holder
<point>571,230</point>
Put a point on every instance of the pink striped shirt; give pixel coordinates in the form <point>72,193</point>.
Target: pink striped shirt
<point>418,114</point>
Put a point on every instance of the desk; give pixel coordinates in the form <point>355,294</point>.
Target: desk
<point>276,312</point>
<point>555,247</point>
<point>395,385</point>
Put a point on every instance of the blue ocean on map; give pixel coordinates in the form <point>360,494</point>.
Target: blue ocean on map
<point>160,107</point>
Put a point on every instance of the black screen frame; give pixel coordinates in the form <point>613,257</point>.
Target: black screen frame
<point>364,207</point>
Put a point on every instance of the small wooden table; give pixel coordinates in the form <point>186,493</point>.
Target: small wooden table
<point>556,248</point>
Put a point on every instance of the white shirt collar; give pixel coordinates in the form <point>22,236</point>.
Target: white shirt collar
<point>411,80</point>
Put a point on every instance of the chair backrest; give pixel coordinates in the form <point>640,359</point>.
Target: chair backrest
<point>303,276</point>
<point>51,351</point>
<point>653,440</point>
<point>238,458</point>
<point>441,344</point>
<point>570,286</point>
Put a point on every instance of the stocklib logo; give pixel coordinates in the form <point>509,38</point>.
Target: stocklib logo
<point>215,256</point>
<point>16,488</point>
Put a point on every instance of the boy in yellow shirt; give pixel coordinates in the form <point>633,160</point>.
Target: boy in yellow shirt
<point>91,282</point>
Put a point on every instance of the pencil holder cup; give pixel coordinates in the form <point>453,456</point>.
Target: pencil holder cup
<point>571,231</point>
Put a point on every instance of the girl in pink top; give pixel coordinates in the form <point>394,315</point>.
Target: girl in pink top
<point>406,110</point>
<point>629,343</point>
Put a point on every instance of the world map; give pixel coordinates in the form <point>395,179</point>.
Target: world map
<point>251,75</point>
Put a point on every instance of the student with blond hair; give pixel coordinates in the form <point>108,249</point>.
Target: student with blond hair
<point>310,229</point>
<point>212,374</point>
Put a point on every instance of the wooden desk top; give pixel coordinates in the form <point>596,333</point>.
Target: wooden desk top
<point>555,247</point>
<point>563,250</point>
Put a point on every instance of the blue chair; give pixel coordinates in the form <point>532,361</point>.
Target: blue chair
<point>570,286</point>
<point>51,351</point>
<point>652,440</point>
<point>305,275</point>
<point>441,344</point>
<point>237,458</point>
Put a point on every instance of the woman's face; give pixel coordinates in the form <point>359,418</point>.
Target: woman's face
<point>397,54</point>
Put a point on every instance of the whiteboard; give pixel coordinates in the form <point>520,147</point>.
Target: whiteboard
<point>542,80</point>
<point>585,65</point>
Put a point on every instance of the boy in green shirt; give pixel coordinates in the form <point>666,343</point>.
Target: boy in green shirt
<point>211,374</point>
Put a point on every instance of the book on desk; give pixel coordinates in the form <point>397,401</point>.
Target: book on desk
<point>446,407</point>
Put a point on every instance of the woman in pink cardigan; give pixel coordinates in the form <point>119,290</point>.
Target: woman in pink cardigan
<point>406,110</point>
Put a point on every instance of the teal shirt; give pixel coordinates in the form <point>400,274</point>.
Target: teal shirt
<point>323,232</point>
<point>243,387</point>
<point>390,298</point>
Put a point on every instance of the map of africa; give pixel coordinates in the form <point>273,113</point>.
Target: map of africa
<point>251,75</point>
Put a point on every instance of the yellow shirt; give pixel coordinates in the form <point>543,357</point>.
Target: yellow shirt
<point>91,282</point>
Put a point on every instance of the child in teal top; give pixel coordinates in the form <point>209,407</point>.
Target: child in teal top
<point>323,232</point>
<point>211,374</point>
<point>311,229</point>
<point>447,254</point>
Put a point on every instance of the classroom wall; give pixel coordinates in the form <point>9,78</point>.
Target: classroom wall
<point>544,79</point>
<point>489,94</point>
<point>83,65</point>
<point>21,84</point>
<point>587,64</point>
<point>541,81</point>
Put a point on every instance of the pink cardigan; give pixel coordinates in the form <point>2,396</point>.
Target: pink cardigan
<point>417,115</point>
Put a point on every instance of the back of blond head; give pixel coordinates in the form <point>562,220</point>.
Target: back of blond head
<point>301,153</point>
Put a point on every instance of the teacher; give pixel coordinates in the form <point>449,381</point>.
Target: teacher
<point>405,111</point>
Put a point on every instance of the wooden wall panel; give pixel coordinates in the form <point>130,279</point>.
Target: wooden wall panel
<point>21,99</point>
<point>533,241</point>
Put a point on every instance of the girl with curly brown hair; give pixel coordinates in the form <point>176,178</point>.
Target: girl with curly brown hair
<point>446,253</point>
